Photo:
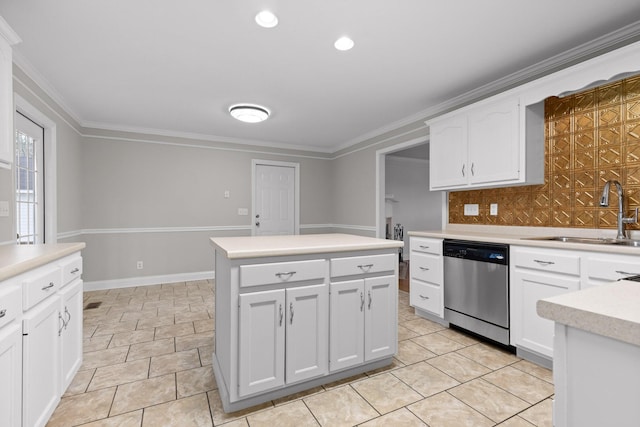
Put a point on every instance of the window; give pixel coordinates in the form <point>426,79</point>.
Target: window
<point>29,167</point>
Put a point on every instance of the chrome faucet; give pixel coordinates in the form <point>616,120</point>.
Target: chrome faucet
<point>604,202</point>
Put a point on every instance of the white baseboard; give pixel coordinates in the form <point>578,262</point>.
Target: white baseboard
<point>132,282</point>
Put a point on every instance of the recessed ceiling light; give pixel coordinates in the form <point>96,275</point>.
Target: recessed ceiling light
<point>266,19</point>
<point>249,113</point>
<point>344,43</point>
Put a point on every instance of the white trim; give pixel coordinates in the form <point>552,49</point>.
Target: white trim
<point>8,33</point>
<point>131,282</point>
<point>8,242</point>
<point>50,166</point>
<point>296,191</point>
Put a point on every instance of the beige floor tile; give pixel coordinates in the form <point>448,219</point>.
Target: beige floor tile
<point>540,415</point>
<point>82,408</point>
<point>189,316</point>
<point>158,304</point>
<point>422,326</point>
<point>525,386</point>
<point>177,330</point>
<point>204,325</point>
<point>386,393</point>
<point>395,364</point>
<point>88,330</point>
<point>294,414</point>
<point>114,328</point>
<point>154,322</point>
<point>488,355</point>
<point>340,407</point>
<point>131,419</point>
<point>96,359</point>
<point>405,333</point>
<point>458,336</point>
<point>242,422</point>
<point>516,422</point>
<point>174,362</point>
<point>195,381</point>
<point>444,410</point>
<point>425,379</point>
<point>438,344</point>
<point>151,348</point>
<point>187,342</point>
<point>100,342</point>
<point>221,417</point>
<point>409,352</point>
<point>459,367</point>
<point>133,337</point>
<point>206,355</point>
<point>401,417</point>
<point>143,393</point>
<point>344,381</point>
<point>172,311</point>
<point>137,315</point>
<point>489,400</point>
<point>80,382</point>
<point>297,396</point>
<point>122,373</point>
<point>187,412</point>
<point>535,370</point>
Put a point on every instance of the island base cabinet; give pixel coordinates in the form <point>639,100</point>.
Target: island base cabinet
<point>42,327</point>
<point>362,325</point>
<point>11,374</point>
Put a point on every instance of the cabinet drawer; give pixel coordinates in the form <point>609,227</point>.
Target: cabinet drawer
<point>552,261</point>
<point>282,272</point>
<point>610,269</point>
<point>363,265</point>
<point>426,245</point>
<point>10,303</point>
<point>427,268</point>
<point>71,269</point>
<point>426,297</point>
<point>39,286</point>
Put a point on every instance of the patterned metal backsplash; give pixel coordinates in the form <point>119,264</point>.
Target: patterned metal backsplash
<point>590,137</point>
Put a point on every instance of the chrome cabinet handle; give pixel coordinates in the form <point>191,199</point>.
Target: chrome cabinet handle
<point>463,170</point>
<point>423,297</point>
<point>545,263</point>
<point>281,314</point>
<point>3,312</point>
<point>66,311</point>
<point>60,319</point>
<point>424,268</point>
<point>291,311</point>
<point>49,286</point>
<point>370,299</point>
<point>288,273</point>
<point>361,301</point>
<point>75,270</point>
<point>424,247</point>
<point>365,266</point>
<point>626,273</point>
<point>473,173</point>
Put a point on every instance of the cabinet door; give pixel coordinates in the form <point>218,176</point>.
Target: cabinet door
<point>381,317</point>
<point>346,345</point>
<point>529,330</point>
<point>71,309</point>
<point>448,153</point>
<point>11,374</point>
<point>494,147</point>
<point>307,333</point>
<point>42,326</point>
<point>262,334</point>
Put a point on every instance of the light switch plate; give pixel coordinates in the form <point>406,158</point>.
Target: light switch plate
<point>243,211</point>
<point>493,209</point>
<point>471,209</point>
<point>4,208</point>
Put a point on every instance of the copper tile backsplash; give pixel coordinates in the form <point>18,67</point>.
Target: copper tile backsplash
<point>590,137</point>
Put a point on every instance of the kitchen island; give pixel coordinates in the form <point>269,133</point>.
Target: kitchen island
<point>596,353</point>
<point>295,312</point>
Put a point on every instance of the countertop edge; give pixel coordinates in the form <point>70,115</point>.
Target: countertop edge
<point>53,253</point>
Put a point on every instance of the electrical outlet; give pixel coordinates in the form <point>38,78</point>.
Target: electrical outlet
<point>493,209</point>
<point>227,194</point>
<point>139,265</point>
<point>243,211</point>
<point>4,208</point>
<point>471,209</point>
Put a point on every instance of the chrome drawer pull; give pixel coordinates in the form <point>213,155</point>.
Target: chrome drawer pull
<point>365,266</point>
<point>75,270</point>
<point>424,247</point>
<point>544,262</point>
<point>291,310</point>
<point>3,312</point>
<point>626,273</point>
<point>281,314</point>
<point>361,301</point>
<point>423,297</point>
<point>370,299</point>
<point>424,268</point>
<point>49,286</point>
<point>288,273</point>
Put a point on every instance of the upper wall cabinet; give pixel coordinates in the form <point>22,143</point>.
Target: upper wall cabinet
<point>486,145</point>
<point>7,38</point>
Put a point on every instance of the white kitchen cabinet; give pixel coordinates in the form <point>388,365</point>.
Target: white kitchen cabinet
<point>363,313</point>
<point>7,38</point>
<point>600,269</point>
<point>483,145</point>
<point>426,291</point>
<point>11,374</point>
<point>283,337</point>
<point>42,327</point>
<point>71,334</point>
<point>538,273</point>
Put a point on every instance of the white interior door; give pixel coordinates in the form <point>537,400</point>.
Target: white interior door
<point>274,199</point>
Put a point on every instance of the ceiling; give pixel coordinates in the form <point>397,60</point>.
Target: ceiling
<point>175,67</point>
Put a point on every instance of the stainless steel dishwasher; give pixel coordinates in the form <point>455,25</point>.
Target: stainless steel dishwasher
<point>476,288</point>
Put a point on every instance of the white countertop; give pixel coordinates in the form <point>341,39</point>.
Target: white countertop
<point>300,244</point>
<point>17,259</point>
<point>611,310</point>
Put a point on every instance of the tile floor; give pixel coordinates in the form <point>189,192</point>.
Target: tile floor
<point>147,362</point>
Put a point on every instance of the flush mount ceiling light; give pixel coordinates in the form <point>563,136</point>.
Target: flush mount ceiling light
<point>249,113</point>
<point>344,43</point>
<point>266,19</point>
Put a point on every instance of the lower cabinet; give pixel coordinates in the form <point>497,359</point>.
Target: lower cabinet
<point>363,317</point>
<point>283,337</point>
<point>11,374</point>
<point>71,334</point>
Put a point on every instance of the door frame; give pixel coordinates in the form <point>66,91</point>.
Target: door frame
<point>50,167</point>
<point>296,191</point>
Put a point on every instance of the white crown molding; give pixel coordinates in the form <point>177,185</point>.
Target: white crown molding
<point>7,32</point>
<point>131,282</point>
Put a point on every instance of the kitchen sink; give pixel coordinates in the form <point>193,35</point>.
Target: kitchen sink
<point>588,240</point>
